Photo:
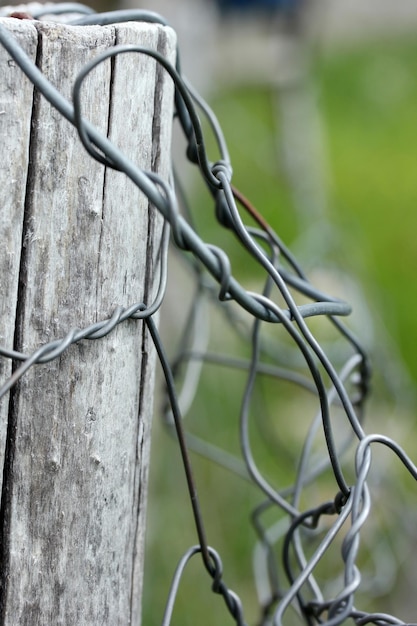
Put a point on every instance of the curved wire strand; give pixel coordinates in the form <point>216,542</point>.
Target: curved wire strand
<point>280,306</point>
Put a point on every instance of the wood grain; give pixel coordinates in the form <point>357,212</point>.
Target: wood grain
<point>16,98</point>
<point>73,507</point>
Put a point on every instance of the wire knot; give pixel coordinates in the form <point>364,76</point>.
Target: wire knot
<point>221,169</point>
<point>340,501</point>
<point>232,600</point>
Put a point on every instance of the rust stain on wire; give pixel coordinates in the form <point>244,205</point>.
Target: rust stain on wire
<point>261,320</point>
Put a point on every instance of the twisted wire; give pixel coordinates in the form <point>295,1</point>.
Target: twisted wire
<point>288,572</point>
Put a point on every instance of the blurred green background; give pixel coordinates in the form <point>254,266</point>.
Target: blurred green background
<point>366,99</point>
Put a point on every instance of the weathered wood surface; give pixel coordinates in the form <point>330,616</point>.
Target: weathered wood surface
<point>16,95</point>
<point>77,445</point>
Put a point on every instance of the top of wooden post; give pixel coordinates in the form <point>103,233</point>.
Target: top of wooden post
<point>78,240</point>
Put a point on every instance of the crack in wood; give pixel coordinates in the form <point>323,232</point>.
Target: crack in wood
<point>71,480</point>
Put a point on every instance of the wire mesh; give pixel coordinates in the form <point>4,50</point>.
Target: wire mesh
<point>282,327</point>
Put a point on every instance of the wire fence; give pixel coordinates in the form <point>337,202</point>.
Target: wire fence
<point>283,326</point>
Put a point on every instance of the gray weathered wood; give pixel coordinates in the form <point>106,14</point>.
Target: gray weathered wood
<point>16,95</point>
<point>74,499</point>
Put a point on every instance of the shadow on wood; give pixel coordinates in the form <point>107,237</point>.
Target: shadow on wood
<point>77,241</point>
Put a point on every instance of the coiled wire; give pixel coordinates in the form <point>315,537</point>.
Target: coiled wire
<point>288,581</point>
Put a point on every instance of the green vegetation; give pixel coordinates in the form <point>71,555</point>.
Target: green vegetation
<point>369,104</point>
<point>367,99</point>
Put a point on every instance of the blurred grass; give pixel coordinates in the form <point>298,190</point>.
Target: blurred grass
<point>369,104</point>
<point>367,99</point>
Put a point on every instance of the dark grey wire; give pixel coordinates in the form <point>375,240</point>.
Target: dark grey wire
<point>118,17</point>
<point>55,348</point>
<point>351,502</point>
<point>211,560</point>
<point>60,9</point>
<point>114,158</point>
<point>231,599</point>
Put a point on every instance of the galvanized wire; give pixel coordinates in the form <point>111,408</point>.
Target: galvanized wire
<point>267,321</point>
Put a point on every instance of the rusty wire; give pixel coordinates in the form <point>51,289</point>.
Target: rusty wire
<point>273,324</point>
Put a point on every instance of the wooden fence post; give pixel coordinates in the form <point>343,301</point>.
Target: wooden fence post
<point>77,240</point>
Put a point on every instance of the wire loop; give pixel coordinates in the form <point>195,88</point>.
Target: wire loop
<point>275,325</point>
